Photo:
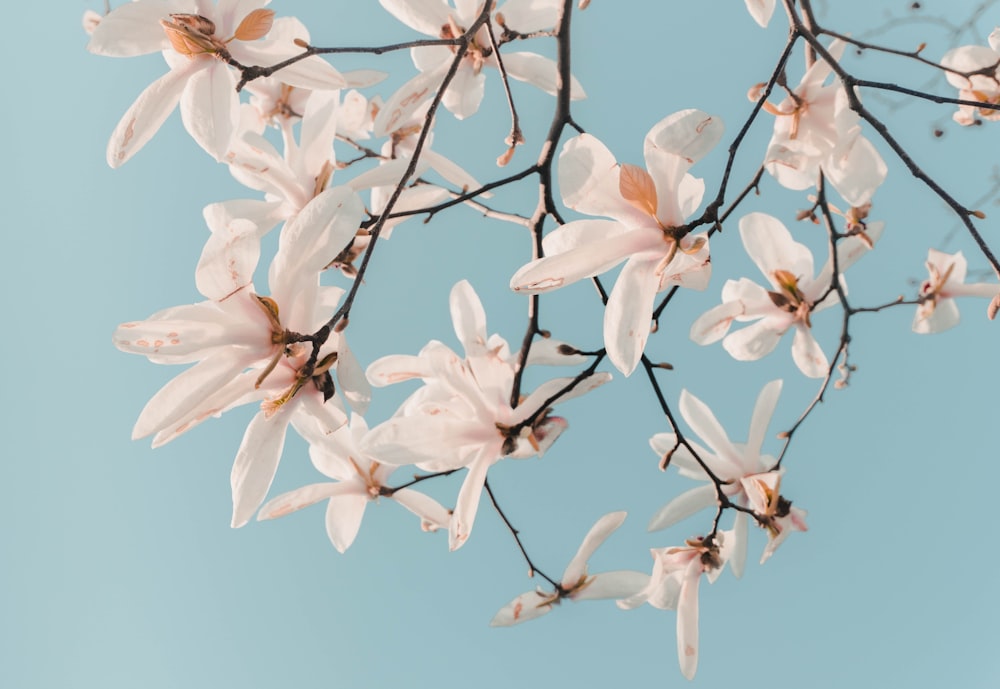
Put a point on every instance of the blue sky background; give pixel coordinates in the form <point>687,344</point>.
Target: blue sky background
<point>119,568</point>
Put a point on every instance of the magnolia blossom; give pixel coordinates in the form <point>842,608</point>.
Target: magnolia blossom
<point>648,211</point>
<point>360,479</point>
<point>576,583</point>
<point>983,87</point>
<point>438,19</point>
<point>462,415</point>
<point>674,586</point>
<point>938,311</point>
<point>748,476</point>
<point>815,129</point>
<point>248,349</point>
<point>794,297</point>
<point>197,38</point>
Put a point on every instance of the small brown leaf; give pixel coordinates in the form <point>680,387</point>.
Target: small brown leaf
<point>638,188</point>
<point>255,25</point>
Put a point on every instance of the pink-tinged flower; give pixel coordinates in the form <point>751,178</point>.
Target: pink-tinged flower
<point>360,479</point>
<point>760,10</point>
<point>577,583</point>
<point>648,210</point>
<point>674,586</point>
<point>938,311</point>
<point>197,38</point>
<point>247,350</point>
<point>815,129</point>
<point>730,462</point>
<point>792,300</point>
<point>983,87</point>
<point>462,416</point>
<point>438,19</point>
<point>772,510</point>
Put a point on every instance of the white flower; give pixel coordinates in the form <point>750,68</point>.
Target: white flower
<point>794,297</point>
<point>196,37</point>
<point>984,86</point>
<point>462,416</point>
<point>576,583</point>
<point>360,479</point>
<point>648,209</point>
<point>938,310</point>
<point>438,19</point>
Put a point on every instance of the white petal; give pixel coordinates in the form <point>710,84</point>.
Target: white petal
<point>690,134</point>
<point>944,315</point>
<point>687,620</point>
<point>353,383</point>
<point>763,410</point>
<point>754,341</point>
<point>303,497</point>
<point>133,28</point>
<point>683,506</point>
<point>629,312</point>
<point>539,71</point>
<point>713,325</point>
<point>807,353</point>
<point>703,422</point>
<point>579,233</point>
<point>256,463</point>
<point>343,519</point>
<point>210,108</point>
<point>396,368</point>
<point>468,317</point>
<point>857,173</point>
<point>760,10</point>
<point>617,584</point>
<point>527,16</point>
<point>467,503</point>
<point>430,511</point>
<point>772,248</point>
<point>525,607</point>
<point>143,118</point>
<point>465,92</point>
<point>425,16</point>
<point>231,254</point>
<point>589,181</point>
<point>598,533</point>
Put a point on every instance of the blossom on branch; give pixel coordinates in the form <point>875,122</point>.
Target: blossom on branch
<point>462,416</point>
<point>982,64</point>
<point>199,41</point>
<point>576,583</point>
<point>648,208</point>
<point>794,297</point>
<point>937,310</point>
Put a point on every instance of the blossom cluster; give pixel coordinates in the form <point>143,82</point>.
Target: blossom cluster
<point>256,96</point>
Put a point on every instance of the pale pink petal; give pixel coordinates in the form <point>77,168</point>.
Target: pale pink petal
<point>713,325</point>
<point>687,619</point>
<point>231,254</point>
<point>434,58</point>
<point>579,233</point>
<point>465,92</point>
<point>396,368</point>
<point>536,400</point>
<point>432,515</point>
<point>944,315</point>
<point>539,71</point>
<point>599,532</point>
<point>143,119</point>
<point>353,384</point>
<point>450,171</point>
<point>210,108</point>
<point>629,312</point>
<point>466,11</point>
<point>772,248</point>
<point>180,395</point>
<point>527,16</point>
<point>133,28</point>
<point>760,10</point>
<point>970,58</point>
<point>703,422</point>
<point>318,130</point>
<point>552,352</point>
<point>552,272</point>
<point>589,181</point>
<point>617,584</point>
<point>425,16</point>
<point>690,134</point>
<point>411,440</point>
<point>468,317</point>
<point>238,391</point>
<point>738,545</point>
<point>525,607</point>
<point>754,341</point>
<point>682,507</point>
<point>467,503</point>
<point>313,73</point>
<point>303,497</point>
<point>256,462</point>
<point>763,410</point>
<point>807,353</point>
<point>857,173</point>
<point>343,519</point>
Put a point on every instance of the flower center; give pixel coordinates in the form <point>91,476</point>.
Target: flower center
<point>789,297</point>
<point>476,53</point>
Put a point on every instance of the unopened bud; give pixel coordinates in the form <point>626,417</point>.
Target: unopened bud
<point>567,350</point>
<point>505,157</point>
<point>501,20</point>
<point>584,4</point>
<point>756,91</point>
<point>991,310</point>
<point>342,325</point>
<point>784,435</point>
<point>978,214</point>
<point>920,48</point>
<point>300,43</point>
<point>665,366</point>
<point>545,333</point>
<point>665,459</point>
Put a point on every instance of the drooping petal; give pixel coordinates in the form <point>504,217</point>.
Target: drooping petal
<point>807,353</point>
<point>618,584</point>
<point>683,506</point>
<point>256,462</point>
<point>598,533</point>
<point>143,118</point>
<point>713,325</point>
<point>467,503</point>
<point>629,312</point>
<point>300,498</point>
<point>754,341</point>
<point>343,519</point>
<point>465,92</point>
<point>687,619</point>
<point>210,108</point>
<point>432,515</point>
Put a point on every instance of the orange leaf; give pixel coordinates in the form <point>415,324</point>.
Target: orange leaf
<point>638,188</point>
<point>255,25</point>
